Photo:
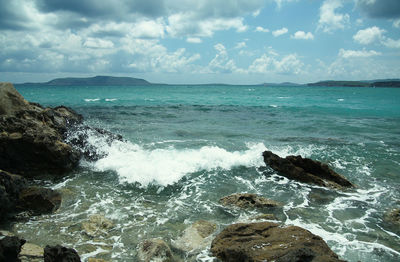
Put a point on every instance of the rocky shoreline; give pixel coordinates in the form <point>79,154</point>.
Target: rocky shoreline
<point>36,142</point>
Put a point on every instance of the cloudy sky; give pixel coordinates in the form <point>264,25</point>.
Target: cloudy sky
<point>200,41</point>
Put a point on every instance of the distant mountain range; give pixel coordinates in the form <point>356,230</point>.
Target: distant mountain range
<point>93,81</point>
<point>130,81</point>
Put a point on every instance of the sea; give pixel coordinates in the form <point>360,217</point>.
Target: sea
<point>187,146</point>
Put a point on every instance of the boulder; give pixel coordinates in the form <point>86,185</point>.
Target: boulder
<point>39,200</point>
<point>97,225</point>
<point>247,200</point>
<point>10,247</point>
<point>10,187</point>
<point>32,137</point>
<point>196,237</point>
<point>60,254</point>
<point>306,170</point>
<point>155,250</point>
<point>267,241</point>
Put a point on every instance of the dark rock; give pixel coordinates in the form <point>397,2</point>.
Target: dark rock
<point>246,200</point>
<point>10,247</point>
<point>39,200</point>
<point>32,138</point>
<point>154,250</point>
<point>60,254</point>
<point>267,241</point>
<point>306,170</point>
<point>10,187</point>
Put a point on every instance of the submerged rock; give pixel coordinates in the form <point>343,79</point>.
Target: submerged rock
<point>97,225</point>
<point>267,241</point>
<point>32,137</point>
<point>393,216</point>
<point>306,170</point>
<point>246,200</point>
<point>10,187</point>
<point>10,247</point>
<point>155,250</point>
<point>39,200</point>
<point>31,253</point>
<point>60,254</point>
<point>196,237</point>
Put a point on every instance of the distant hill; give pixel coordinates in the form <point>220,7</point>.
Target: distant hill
<point>94,81</point>
<point>369,83</point>
<point>281,84</point>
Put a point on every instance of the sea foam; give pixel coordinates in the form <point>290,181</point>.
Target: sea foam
<point>133,163</point>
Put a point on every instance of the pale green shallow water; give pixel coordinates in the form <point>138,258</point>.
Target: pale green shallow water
<point>188,146</point>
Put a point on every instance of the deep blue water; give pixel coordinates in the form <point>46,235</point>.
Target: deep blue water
<point>188,146</point>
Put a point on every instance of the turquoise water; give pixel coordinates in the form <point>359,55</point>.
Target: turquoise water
<point>188,146</point>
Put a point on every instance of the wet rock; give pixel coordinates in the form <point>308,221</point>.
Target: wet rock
<point>97,225</point>
<point>31,253</point>
<point>60,254</point>
<point>91,259</point>
<point>265,217</point>
<point>154,250</point>
<point>248,200</point>
<point>39,200</point>
<point>196,237</point>
<point>393,216</point>
<point>267,241</point>
<point>10,187</point>
<point>306,170</point>
<point>10,247</point>
<point>32,137</point>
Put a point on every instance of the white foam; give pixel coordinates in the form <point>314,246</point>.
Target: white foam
<point>111,99</point>
<point>133,163</point>
<point>91,99</point>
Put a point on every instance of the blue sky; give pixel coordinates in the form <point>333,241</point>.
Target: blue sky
<point>195,41</point>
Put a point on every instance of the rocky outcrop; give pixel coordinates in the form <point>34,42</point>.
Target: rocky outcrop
<point>32,137</point>
<point>10,247</point>
<point>59,253</point>
<point>39,200</point>
<point>155,250</point>
<point>267,241</point>
<point>306,170</point>
<point>247,200</point>
<point>10,187</point>
<point>196,237</point>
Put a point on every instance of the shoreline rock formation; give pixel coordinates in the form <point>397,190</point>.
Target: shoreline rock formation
<point>306,170</point>
<point>266,241</point>
<point>246,200</point>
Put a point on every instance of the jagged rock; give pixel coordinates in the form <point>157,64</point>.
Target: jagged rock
<point>60,254</point>
<point>154,250</point>
<point>196,237</point>
<point>31,253</point>
<point>39,200</point>
<point>10,247</point>
<point>306,170</point>
<point>10,188</point>
<point>97,225</point>
<point>267,241</point>
<point>248,200</point>
<point>32,137</point>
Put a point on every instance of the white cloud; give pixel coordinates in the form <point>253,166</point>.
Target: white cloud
<point>391,43</point>
<point>280,2</point>
<point>148,29</point>
<point>194,40</point>
<point>303,35</point>
<point>369,35</point>
<point>280,32</point>
<point>396,23</point>
<point>261,29</point>
<point>288,65</point>
<point>221,63</point>
<point>357,53</point>
<point>240,45</point>
<point>329,19</point>
<point>98,43</point>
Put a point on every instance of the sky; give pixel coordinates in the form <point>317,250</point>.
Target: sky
<point>200,41</point>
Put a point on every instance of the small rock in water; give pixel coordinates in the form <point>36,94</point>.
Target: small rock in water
<point>60,254</point>
<point>97,225</point>
<point>31,253</point>
<point>265,217</point>
<point>393,216</point>
<point>91,259</point>
<point>248,200</point>
<point>196,237</point>
<point>10,247</point>
<point>154,250</point>
<point>40,200</point>
<point>266,241</point>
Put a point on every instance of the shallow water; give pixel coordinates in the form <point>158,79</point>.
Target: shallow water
<point>188,146</point>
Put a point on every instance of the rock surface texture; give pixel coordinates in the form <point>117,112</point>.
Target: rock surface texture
<point>267,241</point>
<point>155,250</point>
<point>32,137</point>
<point>248,201</point>
<point>196,237</point>
<point>60,254</point>
<point>306,170</point>
<point>10,247</point>
<point>10,187</point>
